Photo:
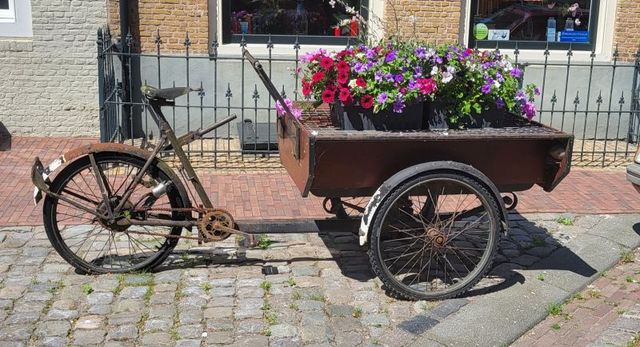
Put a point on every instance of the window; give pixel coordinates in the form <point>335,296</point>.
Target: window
<point>534,24</point>
<point>313,21</point>
<point>7,11</point>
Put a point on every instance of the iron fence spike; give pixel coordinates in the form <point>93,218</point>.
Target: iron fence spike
<point>228,93</point>
<point>622,101</point>
<point>576,101</point>
<point>269,43</point>
<point>255,95</point>
<point>599,100</point>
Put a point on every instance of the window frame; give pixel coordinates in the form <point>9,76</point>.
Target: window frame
<point>226,37</point>
<point>594,13</point>
<point>8,15</point>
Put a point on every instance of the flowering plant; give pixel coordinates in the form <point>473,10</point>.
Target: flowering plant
<point>483,80</point>
<point>391,75</point>
<point>387,76</point>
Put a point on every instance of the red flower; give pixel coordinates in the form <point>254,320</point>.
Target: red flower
<point>306,88</point>
<point>326,63</point>
<point>328,96</point>
<point>366,101</point>
<point>360,82</point>
<point>317,77</point>
<point>342,66</point>
<point>343,77</point>
<point>427,85</point>
<point>332,87</point>
<point>345,95</point>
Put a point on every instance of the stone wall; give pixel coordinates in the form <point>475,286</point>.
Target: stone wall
<point>48,83</point>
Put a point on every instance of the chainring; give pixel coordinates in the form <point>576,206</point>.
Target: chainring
<point>209,224</point>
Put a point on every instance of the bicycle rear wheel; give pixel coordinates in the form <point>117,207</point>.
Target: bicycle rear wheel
<point>94,245</point>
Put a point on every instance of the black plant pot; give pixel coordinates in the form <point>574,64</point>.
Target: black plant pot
<point>354,117</point>
<point>436,118</point>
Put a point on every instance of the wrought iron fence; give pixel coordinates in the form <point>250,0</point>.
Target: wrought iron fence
<point>595,99</point>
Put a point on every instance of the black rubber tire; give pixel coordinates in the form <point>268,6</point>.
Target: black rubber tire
<point>50,217</point>
<point>375,257</point>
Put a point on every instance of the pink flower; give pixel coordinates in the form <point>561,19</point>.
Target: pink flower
<point>427,85</point>
<point>306,88</point>
<point>317,77</point>
<point>529,110</point>
<point>366,101</point>
<point>326,63</point>
<point>345,95</point>
<point>343,77</point>
<point>282,111</point>
<point>342,66</point>
<point>360,82</point>
<point>328,96</point>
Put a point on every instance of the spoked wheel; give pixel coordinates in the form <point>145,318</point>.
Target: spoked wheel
<point>435,236</point>
<point>346,207</point>
<point>95,245</point>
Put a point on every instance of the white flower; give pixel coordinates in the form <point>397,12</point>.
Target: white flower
<point>434,71</point>
<point>352,83</point>
<point>332,3</point>
<point>447,77</point>
<point>496,83</point>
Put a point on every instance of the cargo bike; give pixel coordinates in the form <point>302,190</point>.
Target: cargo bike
<point>432,216</point>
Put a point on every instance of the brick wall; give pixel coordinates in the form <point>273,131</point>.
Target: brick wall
<point>49,82</point>
<point>627,35</point>
<point>172,17</point>
<point>437,21</point>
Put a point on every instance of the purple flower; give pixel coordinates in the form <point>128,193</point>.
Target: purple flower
<point>371,54</point>
<point>398,105</point>
<point>382,98</point>
<point>500,104</point>
<point>389,77</point>
<point>499,77</point>
<point>516,72</point>
<point>521,96</point>
<point>449,55</point>
<point>529,110</point>
<point>418,71</point>
<point>398,78</point>
<point>421,52</point>
<point>359,67</point>
<point>391,56</point>
<point>486,88</point>
<point>488,65</point>
<point>412,84</point>
<point>437,59</point>
<point>378,76</point>
<point>536,91</point>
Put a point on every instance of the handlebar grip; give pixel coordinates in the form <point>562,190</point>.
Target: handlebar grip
<point>250,58</point>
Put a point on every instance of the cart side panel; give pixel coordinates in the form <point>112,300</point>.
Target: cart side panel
<point>295,145</point>
<point>345,168</point>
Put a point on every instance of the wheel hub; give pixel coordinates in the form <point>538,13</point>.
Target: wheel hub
<point>437,237</point>
<point>120,223</point>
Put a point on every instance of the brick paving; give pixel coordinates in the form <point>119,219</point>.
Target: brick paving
<point>273,196</point>
<point>324,293</point>
<point>606,313</point>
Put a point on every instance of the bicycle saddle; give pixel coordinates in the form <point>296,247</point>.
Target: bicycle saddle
<point>165,94</point>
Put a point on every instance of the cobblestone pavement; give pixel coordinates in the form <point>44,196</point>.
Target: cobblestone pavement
<point>324,292</point>
<point>606,313</point>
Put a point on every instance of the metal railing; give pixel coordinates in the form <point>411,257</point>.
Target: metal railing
<point>595,100</point>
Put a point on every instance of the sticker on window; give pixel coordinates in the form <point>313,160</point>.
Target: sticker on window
<point>499,35</point>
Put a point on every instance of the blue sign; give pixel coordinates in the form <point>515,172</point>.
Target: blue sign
<point>574,36</point>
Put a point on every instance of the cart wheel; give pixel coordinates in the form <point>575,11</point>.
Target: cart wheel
<point>435,236</point>
<point>346,208</point>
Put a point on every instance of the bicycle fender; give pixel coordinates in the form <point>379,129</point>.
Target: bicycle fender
<point>95,148</point>
<point>402,176</point>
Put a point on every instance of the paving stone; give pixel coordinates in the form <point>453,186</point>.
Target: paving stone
<point>157,339</point>
<point>525,260</point>
<point>100,309</point>
<point>219,338</point>
<point>249,282</point>
<point>219,325</point>
<point>16,240</point>
<point>250,292</point>
<point>447,308</point>
<point>375,320</point>
<point>57,314</point>
<point>137,280</point>
<point>541,252</point>
<point>22,318</point>
<point>89,322</point>
<point>283,330</point>
<point>88,337</point>
<point>122,332</point>
<point>51,341</point>
<point>313,319</point>
<point>251,326</point>
<point>12,292</point>
<point>345,324</point>
<point>348,338</point>
<point>190,331</point>
<point>124,318</point>
<point>188,343</point>
<point>37,296</point>
<point>221,302</point>
<point>161,311</point>
<point>100,298</point>
<point>315,334</point>
<point>305,271</point>
<point>104,284</point>
<point>156,325</point>
<point>340,310</point>
<point>52,328</point>
<point>254,340</point>
<point>128,305</point>
<point>190,316</point>
<point>133,292</point>
<point>223,291</point>
<point>218,312</point>
<point>15,332</point>
<point>28,306</point>
<point>310,305</point>
<point>418,324</point>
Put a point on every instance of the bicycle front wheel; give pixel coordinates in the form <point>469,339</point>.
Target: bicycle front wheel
<point>95,245</point>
